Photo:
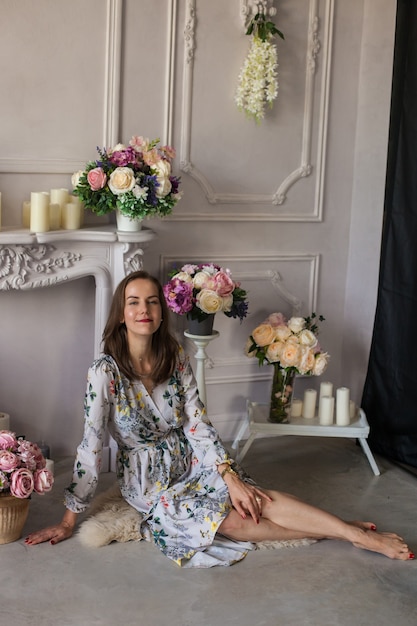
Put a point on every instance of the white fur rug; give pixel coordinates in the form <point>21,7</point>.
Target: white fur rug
<point>111,518</point>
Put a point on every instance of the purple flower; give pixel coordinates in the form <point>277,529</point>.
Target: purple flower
<point>121,158</point>
<point>179,296</point>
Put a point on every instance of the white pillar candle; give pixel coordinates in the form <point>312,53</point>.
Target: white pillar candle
<point>352,409</point>
<point>4,421</point>
<point>309,404</point>
<point>296,408</point>
<point>342,406</point>
<point>59,196</point>
<point>26,214</point>
<point>50,465</point>
<point>71,216</point>
<point>326,410</point>
<point>39,212</point>
<point>326,389</point>
<point>54,216</point>
<point>76,200</point>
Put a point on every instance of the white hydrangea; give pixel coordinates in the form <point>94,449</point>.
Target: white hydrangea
<point>258,84</point>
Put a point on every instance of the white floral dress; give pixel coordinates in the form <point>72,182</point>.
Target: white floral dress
<point>167,460</point>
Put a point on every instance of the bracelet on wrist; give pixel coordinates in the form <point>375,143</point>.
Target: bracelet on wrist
<point>227,470</point>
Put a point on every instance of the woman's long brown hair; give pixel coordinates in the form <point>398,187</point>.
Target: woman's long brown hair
<point>164,346</point>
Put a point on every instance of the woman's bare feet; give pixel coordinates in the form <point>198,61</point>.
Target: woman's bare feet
<point>389,544</point>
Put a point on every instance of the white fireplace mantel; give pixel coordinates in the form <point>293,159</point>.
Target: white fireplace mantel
<point>31,261</point>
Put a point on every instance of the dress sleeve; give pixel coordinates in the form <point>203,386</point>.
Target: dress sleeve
<point>201,434</point>
<point>98,403</point>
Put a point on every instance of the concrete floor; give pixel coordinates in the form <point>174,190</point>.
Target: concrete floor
<point>329,583</point>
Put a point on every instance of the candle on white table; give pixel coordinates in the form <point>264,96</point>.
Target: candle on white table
<point>71,216</point>
<point>326,389</point>
<point>4,421</point>
<point>309,404</point>
<point>61,197</point>
<point>296,408</point>
<point>54,216</point>
<point>26,214</point>
<point>39,212</point>
<point>326,410</point>
<point>342,406</point>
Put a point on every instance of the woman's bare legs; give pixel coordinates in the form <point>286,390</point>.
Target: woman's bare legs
<point>287,517</point>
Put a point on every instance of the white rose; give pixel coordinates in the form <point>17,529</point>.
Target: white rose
<point>227,302</point>
<point>121,180</point>
<point>200,280</point>
<point>273,353</point>
<point>307,338</point>
<point>296,324</point>
<point>119,147</point>
<point>75,178</point>
<point>282,332</point>
<point>186,278</point>
<point>320,363</point>
<point>162,168</point>
<point>307,360</point>
<point>164,186</point>
<point>208,301</point>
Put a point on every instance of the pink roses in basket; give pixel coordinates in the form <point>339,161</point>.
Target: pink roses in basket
<point>22,467</point>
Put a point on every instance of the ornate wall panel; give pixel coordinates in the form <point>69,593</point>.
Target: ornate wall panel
<point>234,161</point>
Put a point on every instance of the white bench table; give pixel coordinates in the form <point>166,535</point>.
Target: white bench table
<point>258,425</point>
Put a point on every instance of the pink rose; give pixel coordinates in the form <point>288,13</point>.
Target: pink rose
<point>21,484</point>
<point>43,481</point>
<point>96,178</point>
<point>8,461</point>
<point>224,284</point>
<point>275,319</point>
<point>8,440</point>
<point>4,481</point>
<point>28,453</point>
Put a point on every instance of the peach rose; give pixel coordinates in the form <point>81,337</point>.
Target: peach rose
<point>273,353</point>
<point>290,355</point>
<point>122,180</point>
<point>209,301</point>
<point>282,332</point>
<point>263,335</point>
<point>307,360</point>
<point>96,178</point>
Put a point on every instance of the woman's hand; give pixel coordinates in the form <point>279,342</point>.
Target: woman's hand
<point>54,534</point>
<point>246,499</point>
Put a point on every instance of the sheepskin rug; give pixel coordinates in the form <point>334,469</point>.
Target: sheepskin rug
<point>111,518</point>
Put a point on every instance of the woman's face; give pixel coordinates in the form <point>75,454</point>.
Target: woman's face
<point>142,311</point>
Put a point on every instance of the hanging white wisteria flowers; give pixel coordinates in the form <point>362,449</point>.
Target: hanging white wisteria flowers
<point>258,83</point>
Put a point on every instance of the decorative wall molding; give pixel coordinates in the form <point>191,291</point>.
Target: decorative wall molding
<point>315,46</point>
<point>113,69</point>
<point>249,8</point>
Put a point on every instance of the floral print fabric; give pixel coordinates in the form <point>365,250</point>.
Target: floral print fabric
<point>167,460</point>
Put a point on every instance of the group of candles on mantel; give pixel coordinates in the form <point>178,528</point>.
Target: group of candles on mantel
<point>5,425</point>
<point>340,410</point>
<point>52,210</point>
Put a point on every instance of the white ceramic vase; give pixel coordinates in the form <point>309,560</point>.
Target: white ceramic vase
<point>127,224</point>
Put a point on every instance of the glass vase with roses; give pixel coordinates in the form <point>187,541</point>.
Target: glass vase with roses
<point>135,180</point>
<point>201,291</point>
<point>292,348</point>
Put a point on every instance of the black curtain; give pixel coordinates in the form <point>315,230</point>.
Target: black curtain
<point>390,392</point>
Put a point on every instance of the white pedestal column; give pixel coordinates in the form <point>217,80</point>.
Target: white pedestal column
<point>201,342</point>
